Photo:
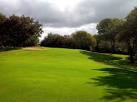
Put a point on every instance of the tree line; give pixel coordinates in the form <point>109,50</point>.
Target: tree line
<point>19,31</point>
<point>77,40</point>
<point>116,35</point>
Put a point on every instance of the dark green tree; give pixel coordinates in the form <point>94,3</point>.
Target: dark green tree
<point>128,34</point>
<point>107,29</point>
<point>2,19</point>
<point>83,40</point>
<point>19,31</point>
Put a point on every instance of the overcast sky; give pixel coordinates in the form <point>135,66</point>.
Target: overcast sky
<point>67,16</point>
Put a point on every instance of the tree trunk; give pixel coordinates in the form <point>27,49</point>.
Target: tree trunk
<point>131,51</point>
<point>131,55</point>
<point>97,47</point>
<point>113,46</point>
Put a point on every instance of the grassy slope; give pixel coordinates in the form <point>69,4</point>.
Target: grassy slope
<point>63,75</point>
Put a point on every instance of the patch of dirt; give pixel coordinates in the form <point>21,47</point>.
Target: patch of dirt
<point>33,48</point>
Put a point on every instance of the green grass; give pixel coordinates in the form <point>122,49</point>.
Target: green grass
<point>65,75</point>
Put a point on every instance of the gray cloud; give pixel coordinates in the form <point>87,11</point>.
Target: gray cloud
<point>95,10</point>
<point>85,12</point>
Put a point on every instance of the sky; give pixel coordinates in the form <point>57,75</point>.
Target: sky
<point>67,16</point>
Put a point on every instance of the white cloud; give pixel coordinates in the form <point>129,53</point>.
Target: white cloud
<point>90,28</point>
<point>65,5</point>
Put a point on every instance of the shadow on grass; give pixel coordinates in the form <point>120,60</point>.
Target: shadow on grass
<point>108,59</point>
<point>120,84</point>
<point>121,80</point>
<point>8,49</point>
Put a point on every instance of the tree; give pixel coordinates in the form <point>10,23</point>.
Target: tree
<point>107,30</point>
<point>53,40</point>
<point>128,34</point>
<point>98,41</point>
<point>20,31</point>
<point>2,19</point>
<point>83,40</point>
